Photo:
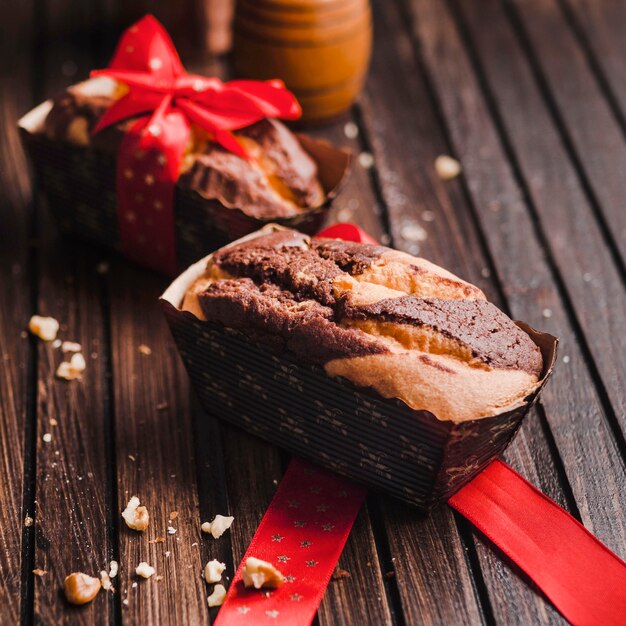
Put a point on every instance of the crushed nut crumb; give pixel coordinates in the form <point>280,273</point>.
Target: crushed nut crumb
<point>113,569</point>
<point>366,160</point>
<point>72,369</point>
<point>39,572</point>
<point>213,571</point>
<point>28,521</point>
<point>135,516</point>
<point>217,597</point>
<point>47,437</point>
<point>339,573</point>
<point>218,526</point>
<point>105,581</point>
<point>71,346</point>
<point>157,540</point>
<point>167,553</point>
<point>257,573</point>
<point>80,588</point>
<point>446,167</point>
<point>53,422</point>
<point>144,570</point>
<point>144,349</point>
<point>46,328</point>
<point>171,530</point>
<point>56,343</point>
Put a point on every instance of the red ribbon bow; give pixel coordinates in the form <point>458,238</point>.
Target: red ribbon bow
<point>146,60</point>
<point>167,101</point>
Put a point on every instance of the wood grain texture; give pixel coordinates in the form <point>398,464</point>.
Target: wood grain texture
<point>17,384</point>
<point>589,128</point>
<point>155,457</point>
<point>573,410</point>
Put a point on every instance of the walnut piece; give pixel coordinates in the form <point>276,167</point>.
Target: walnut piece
<point>46,328</point>
<point>217,597</point>
<point>257,573</point>
<point>80,588</point>
<point>135,516</point>
<point>218,526</point>
<point>213,571</point>
<point>446,167</point>
<point>144,570</point>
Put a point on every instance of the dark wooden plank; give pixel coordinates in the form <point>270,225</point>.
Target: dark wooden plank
<point>71,488</point>
<point>592,462</point>
<point>17,383</point>
<point>599,27</point>
<point>589,127</point>
<point>155,456</point>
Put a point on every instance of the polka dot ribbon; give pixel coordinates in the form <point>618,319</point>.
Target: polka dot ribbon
<point>311,514</point>
<point>167,101</point>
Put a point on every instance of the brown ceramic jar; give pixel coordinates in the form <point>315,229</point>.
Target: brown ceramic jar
<point>319,48</point>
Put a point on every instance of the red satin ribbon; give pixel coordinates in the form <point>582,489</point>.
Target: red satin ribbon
<point>302,534</point>
<point>584,580</point>
<point>169,101</point>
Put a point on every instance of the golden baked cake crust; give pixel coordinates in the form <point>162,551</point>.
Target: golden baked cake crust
<point>380,318</point>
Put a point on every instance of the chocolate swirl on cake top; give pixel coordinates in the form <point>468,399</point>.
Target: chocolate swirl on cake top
<point>376,316</point>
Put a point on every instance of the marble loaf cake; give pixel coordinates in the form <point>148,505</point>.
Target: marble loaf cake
<point>280,179</point>
<point>377,317</point>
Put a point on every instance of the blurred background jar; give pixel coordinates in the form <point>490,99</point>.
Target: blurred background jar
<point>319,48</point>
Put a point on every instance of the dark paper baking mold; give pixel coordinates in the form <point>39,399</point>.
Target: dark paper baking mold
<point>377,442</point>
<point>79,184</point>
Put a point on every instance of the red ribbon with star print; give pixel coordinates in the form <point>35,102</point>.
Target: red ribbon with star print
<point>302,534</point>
<point>311,514</point>
<point>167,101</point>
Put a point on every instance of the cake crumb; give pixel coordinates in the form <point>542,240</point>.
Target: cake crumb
<point>144,349</point>
<point>213,571</point>
<point>446,167</point>
<point>135,516</point>
<point>366,160</point>
<point>351,130</point>
<point>144,570</point>
<point>46,328</point>
<point>218,526</point>
<point>257,573</point>
<point>217,597</point>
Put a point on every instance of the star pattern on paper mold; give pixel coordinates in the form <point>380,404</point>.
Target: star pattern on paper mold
<point>321,508</point>
<point>311,563</point>
<point>283,558</point>
<point>243,609</point>
<point>299,523</point>
<point>273,613</point>
<point>293,504</point>
<point>289,578</point>
<point>305,544</point>
<point>277,537</point>
<point>327,527</point>
<point>296,597</point>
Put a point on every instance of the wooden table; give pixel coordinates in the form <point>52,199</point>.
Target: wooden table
<point>531,98</point>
